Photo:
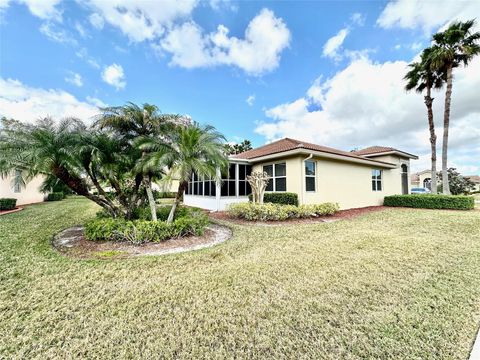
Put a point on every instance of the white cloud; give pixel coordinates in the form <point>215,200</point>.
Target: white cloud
<point>44,9</point>
<point>28,104</point>
<point>365,104</point>
<point>428,15</point>
<point>358,19</point>
<point>96,102</point>
<point>74,79</point>
<point>51,31</point>
<point>334,44</point>
<point>250,100</point>
<point>139,20</point>
<point>80,29</point>
<point>265,34</point>
<point>97,21</point>
<point>114,76</point>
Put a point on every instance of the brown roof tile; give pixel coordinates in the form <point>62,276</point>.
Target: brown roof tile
<point>474,178</point>
<point>374,150</point>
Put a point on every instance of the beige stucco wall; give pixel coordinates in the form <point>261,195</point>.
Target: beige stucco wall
<point>346,183</point>
<point>27,195</point>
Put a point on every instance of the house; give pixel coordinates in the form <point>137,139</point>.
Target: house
<point>27,194</point>
<point>423,179</point>
<point>316,173</point>
<point>476,180</point>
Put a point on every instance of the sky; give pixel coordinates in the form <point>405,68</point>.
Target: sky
<point>328,72</point>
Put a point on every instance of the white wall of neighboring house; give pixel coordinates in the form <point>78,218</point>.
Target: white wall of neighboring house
<point>24,195</point>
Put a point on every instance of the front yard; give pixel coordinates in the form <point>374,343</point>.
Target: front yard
<point>400,283</point>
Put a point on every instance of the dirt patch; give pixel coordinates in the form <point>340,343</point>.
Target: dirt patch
<point>341,215</point>
<point>72,242</point>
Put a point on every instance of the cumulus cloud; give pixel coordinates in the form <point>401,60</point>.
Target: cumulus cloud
<point>139,20</point>
<point>334,44</point>
<point>26,103</point>
<point>43,9</point>
<point>114,75</point>
<point>74,79</point>
<point>427,15</point>
<point>265,34</point>
<point>365,104</point>
<point>250,100</point>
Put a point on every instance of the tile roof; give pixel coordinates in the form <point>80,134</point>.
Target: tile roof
<point>287,144</point>
<point>474,178</point>
<point>374,150</point>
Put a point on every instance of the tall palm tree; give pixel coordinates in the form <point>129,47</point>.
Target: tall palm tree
<point>193,149</point>
<point>455,46</point>
<point>421,78</point>
<point>133,122</point>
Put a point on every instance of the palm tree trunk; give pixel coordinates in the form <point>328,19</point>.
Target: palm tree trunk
<point>446,123</point>
<point>151,199</point>
<point>181,188</point>
<point>433,140</point>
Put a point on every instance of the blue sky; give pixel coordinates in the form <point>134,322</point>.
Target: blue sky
<point>328,72</point>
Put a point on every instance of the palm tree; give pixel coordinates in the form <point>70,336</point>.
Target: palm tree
<point>453,47</point>
<point>421,78</point>
<point>133,122</point>
<point>193,149</point>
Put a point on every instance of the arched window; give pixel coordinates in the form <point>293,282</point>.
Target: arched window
<point>404,179</point>
<point>427,183</point>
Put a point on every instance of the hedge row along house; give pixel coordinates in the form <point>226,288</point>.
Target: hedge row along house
<point>315,173</point>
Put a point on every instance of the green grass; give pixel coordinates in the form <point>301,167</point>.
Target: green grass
<point>399,284</point>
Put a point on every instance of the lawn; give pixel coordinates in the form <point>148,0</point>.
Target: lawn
<point>400,284</point>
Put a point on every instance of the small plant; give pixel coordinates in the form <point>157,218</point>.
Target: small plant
<point>55,196</point>
<point>431,201</point>
<point>285,198</point>
<point>7,203</point>
<point>277,212</point>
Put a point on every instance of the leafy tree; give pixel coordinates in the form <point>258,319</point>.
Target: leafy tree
<point>131,123</point>
<point>422,78</point>
<point>233,149</point>
<point>455,46</point>
<point>458,184</point>
<point>193,149</point>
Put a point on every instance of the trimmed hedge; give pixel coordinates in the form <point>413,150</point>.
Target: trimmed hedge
<point>55,196</point>
<point>277,212</point>
<point>431,201</point>
<point>142,231</point>
<point>284,198</point>
<point>8,203</point>
<point>163,211</point>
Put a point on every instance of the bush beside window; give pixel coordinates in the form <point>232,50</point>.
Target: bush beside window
<point>8,203</point>
<point>277,212</point>
<point>284,198</point>
<point>142,231</point>
<point>55,196</point>
<point>431,201</point>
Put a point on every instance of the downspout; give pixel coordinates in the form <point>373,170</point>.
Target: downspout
<point>302,181</point>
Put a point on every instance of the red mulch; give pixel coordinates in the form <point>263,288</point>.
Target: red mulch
<point>341,215</point>
<point>5,212</point>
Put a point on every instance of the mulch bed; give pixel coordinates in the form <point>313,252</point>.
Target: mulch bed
<point>5,212</point>
<point>72,242</point>
<point>341,215</point>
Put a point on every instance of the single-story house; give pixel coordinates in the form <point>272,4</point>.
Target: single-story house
<point>316,173</point>
<point>27,194</point>
<point>476,180</point>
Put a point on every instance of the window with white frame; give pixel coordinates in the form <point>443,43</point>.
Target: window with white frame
<point>376,180</point>
<point>277,174</point>
<point>310,171</point>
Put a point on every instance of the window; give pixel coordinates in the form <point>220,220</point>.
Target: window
<point>310,175</point>
<point>377,180</point>
<point>200,186</point>
<point>228,181</point>
<point>18,181</point>
<point>278,177</point>
<point>243,185</point>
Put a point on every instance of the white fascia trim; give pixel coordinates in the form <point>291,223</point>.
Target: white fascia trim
<point>393,152</point>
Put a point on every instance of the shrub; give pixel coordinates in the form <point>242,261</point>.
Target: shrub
<point>55,196</point>
<point>277,212</point>
<point>431,201</point>
<point>163,211</point>
<point>285,198</point>
<point>7,203</point>
<point>164,194</point>
<point>142,231</point>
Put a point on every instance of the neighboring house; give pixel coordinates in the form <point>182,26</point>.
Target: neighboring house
<point>476,180</point>
<point>316,173</point>
<point>24,194</point>
<point>423,179</point>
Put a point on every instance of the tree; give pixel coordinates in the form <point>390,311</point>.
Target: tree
<point>258,182</point>
<point>132,122</point>
<point>458,183</point>
<point>453,47</point>
<point>233,149</point>
<point>421,78</point>
<point>193,149</point>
